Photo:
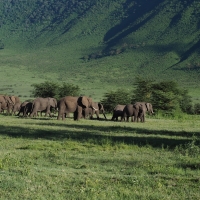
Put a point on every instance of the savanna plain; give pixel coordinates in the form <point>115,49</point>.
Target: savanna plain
<point>99,46</point>
<point>43,158</point>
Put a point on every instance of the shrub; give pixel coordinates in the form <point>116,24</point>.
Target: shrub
<point>46,89</point>
<point>111,99</point>
<point>51,89</point>
<point>165,96</point>
<point>67,89</point>
<point>197,108</point>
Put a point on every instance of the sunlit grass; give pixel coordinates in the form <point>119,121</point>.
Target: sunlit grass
<point>92,159</point>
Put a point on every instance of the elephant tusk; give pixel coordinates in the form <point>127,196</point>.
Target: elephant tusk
<point>94,108</point>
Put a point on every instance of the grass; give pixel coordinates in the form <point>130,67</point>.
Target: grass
<point>151,46</point>
<point>89,159</point>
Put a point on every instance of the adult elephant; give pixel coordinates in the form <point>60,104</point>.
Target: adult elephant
<point>16,108</point>
<point>16,104</point>
<point>118,112</point>
<point>5,103</point>
<point>70,104</point>
<point>43,104</point>
<point>97,108</point>
<point>137,111</point>
<point>143,107</point>
<point>15,99</point>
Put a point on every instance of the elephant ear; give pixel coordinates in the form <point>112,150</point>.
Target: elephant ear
<point>147,106</point>
<point>83,102</point>
<point>12,99</point>
<point>100,106</point>
<point>55,101</point>
<point>17,99</point>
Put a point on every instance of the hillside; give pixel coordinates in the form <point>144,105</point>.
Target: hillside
<point>98,45</point>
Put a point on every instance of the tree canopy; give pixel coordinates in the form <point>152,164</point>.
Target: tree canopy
<point>51,89</point>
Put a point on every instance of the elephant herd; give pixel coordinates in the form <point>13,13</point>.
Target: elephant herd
<point>136,111</point>
<point>81,107</point>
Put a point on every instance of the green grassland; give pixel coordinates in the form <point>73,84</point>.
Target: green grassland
<point>98,45</point>
<point>89,159</point>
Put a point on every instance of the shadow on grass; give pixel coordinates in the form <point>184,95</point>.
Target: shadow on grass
<point>101,135</point>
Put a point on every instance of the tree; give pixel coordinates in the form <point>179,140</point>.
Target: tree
<point>51,89</point>
<point>67,89</point>
<point>143,90</point>
<point>197,108</point>
<point>46,89</point>
<point>111,99</point>
<point>164,95</point>
<point>186,102</point>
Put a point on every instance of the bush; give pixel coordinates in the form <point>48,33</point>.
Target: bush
<point>197,108</point>
<point>164,96</point>
<point>111,99</point>
<point>1,45</point>
<point>46,89</point>
<point>67,89</point>
<point>51,89</point>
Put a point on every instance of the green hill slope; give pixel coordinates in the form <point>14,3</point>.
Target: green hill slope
<point>98,45</point>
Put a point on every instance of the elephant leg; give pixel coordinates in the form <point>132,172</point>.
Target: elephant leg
<point>143,118</point>
<point>78,113</point>
<point>123,117</point>
<point>75,115</point>
<point>60,115</point>
<point>127,118</point>
<point>132,118</point>
<point>97,114</point>
<point>104,115</point>
<point>48,111</point>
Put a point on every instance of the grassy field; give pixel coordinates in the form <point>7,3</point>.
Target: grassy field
<point>88,159</point>
<point>157,40</point>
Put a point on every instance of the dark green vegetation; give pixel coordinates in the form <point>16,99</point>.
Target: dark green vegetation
<point>165,96</point>
<point>98,45</point>
<point>51,89</point>
<point>89,159</point>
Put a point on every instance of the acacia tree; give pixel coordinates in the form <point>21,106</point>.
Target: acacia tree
<point>165,96</point>
<point>111,99</point>
<point>142,91</point>
<point>51,89</point>
<point>67,89</point>
<point>46,89</point>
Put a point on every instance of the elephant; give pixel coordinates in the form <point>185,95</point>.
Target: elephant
<point>15,99</point>
<point>96,109</point>
<point>118,112</point>
<point>137,111</point>
<point>5,103</point>
<point>130,111</point>
<point>43,104</point>
<point>25,108</point>
<point>16,108</point>
<point>143,108</point>
<point>70,104</point>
